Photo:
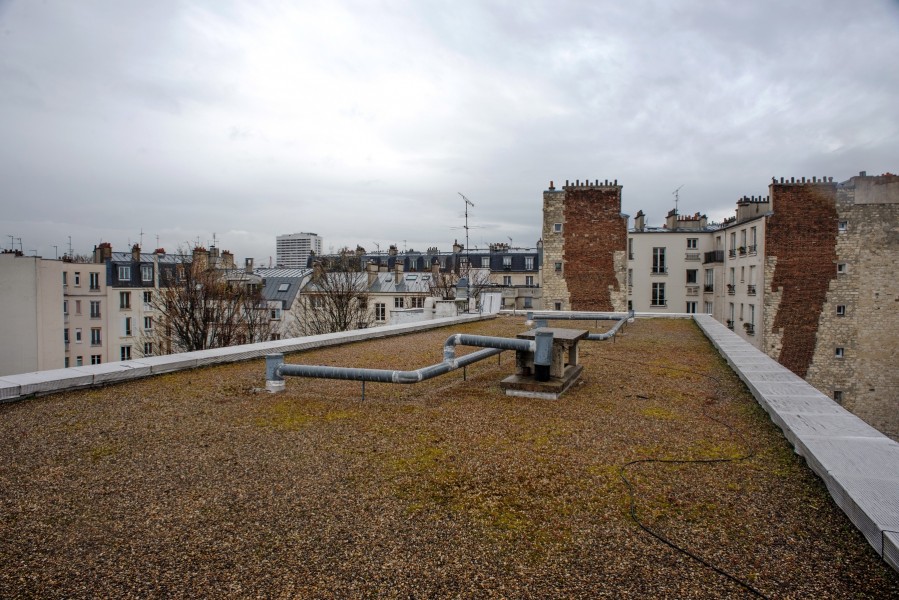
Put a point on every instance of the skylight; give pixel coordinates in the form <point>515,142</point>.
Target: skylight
<point>283,287</point>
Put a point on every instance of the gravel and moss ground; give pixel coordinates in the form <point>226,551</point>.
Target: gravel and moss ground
<point>196,484</point>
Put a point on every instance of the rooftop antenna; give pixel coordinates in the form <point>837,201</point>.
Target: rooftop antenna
<point>141,237</point>
<point>12,244</point>
<point>467,204</point>
<point>377,247</point>
<point>510,241</point>
<point>213,240</point>
<point>70,245</point>
<point>157,240</point>
<point>677,197</point>
<point>404,246</point>
<point>21,249</point>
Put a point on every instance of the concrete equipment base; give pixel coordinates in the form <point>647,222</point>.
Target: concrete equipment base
<point>526,386</point>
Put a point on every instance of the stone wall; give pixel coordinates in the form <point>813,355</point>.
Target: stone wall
<point>868,289</point>
<point>801,235</point>
<point>595,246</point>
<point>554,286</point>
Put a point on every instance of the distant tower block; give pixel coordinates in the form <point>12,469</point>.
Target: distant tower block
<point>293,249</point>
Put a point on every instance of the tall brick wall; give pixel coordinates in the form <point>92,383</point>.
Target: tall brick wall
<point>801,236</point>
<point>595,230</point>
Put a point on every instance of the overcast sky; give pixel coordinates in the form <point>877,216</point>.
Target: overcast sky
<point>362,121</point>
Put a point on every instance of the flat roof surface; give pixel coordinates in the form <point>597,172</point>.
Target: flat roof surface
<point>195,484</point>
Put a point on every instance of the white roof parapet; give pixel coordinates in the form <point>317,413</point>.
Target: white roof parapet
<point>859,465</point>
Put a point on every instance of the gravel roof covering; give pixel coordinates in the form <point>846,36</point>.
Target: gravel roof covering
<point>195,484</point>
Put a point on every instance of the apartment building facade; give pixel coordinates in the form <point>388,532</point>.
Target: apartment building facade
<point>294,249</point>
<point>805,274</point>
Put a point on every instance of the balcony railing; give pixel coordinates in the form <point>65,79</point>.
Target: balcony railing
<point>730,324</point>
<point>742,250</point>
<point>708,289</point>
<point>714,256</point>
<point>750,289</point>
<point>750,328</point>
<point>659,271</point>
<point>753,248</point>
<point>732,253</point>
<point>731,289</point>
<point>691,256</point>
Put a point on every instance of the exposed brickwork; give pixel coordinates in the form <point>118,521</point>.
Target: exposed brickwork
<point>594,231</point>
<point>801,235</point>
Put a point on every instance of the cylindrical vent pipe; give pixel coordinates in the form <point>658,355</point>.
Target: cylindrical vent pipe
<point>543,355</point>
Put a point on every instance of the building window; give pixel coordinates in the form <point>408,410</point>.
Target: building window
<point>558,267</point>
<point>124,273</point>
<point>692,275</point>
<point>658,260</point>
<point>65,335</point>
<point>65,307</point>
<point>275,314</point>
<point>65,278</point>
<point>557,228</point>
<point>691,308</point>
<point>79,361</point>
<point>841,268</point>
<point>317,302</point>
<point>507,262</point>
<point>658,294</point>
<point>841,310</point>
<point>507,280</point>
<point>418,302</point>
<point>125,353</point>
<point>67,362</point>
<point>77,335</point>
<point>94,281</point>
<point>838,396</point>
<point>843,226</point>
<point>274,336</point>
<point>528,302</point>
<point>146,273</point>
<point>77,307</point>
<point>95,309</point>
<point>95,336</point>
<point>77,278</point>
<point>753,240</point>
<point>148,348</point>
<point>529,280</point>
<point>630,248</point>
<point>558,306</point>
<point>380,311</point>
<point>529,263</point>
<point>398,302</point>
<point>148,323</point>
<point>485,262</point>
<point>127,326</point>
<point>96,359</point>
<point>742,274</point>
<point>708,308</point>
<point>124,300</point>
<point>838,352</point>
<point>148,298</point>
<point>692,243</point>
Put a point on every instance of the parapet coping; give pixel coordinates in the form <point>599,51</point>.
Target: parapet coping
<point>858,464</point>
<point>24,385</point>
